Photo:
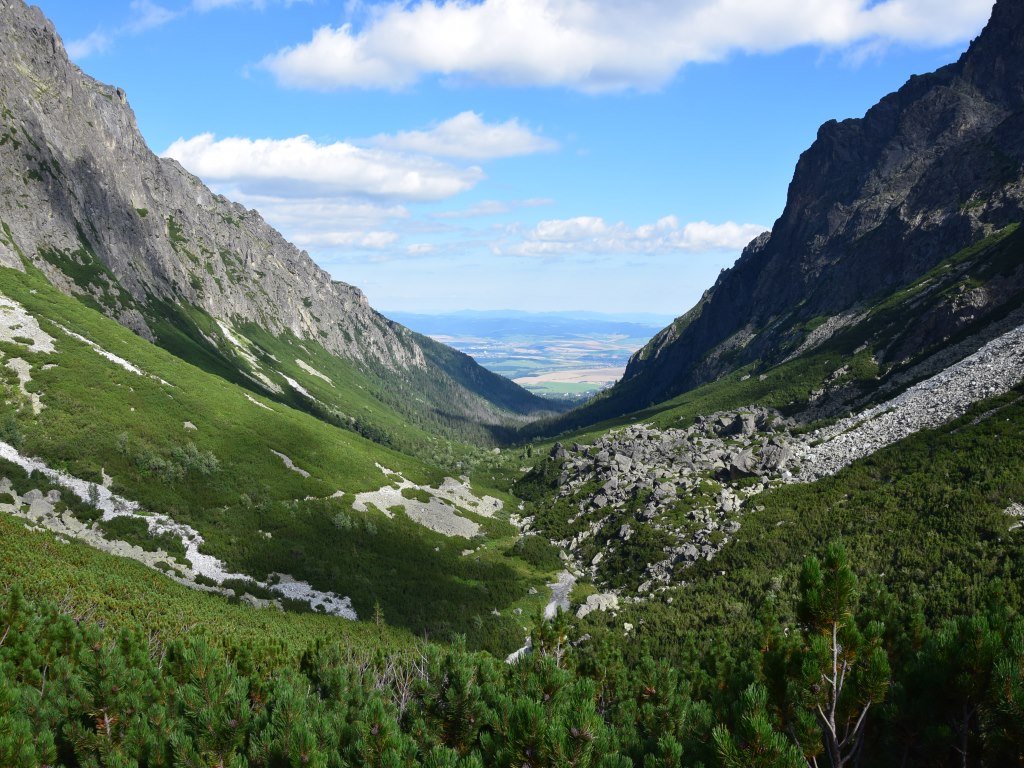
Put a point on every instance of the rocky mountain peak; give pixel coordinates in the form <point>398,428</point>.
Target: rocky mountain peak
<point>93,191</point>
<point>83,199</point>
<point>874,203</point>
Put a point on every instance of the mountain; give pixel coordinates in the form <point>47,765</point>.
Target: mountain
<point>874,204</point>
<point>83,199</point>
<point>689,582</point>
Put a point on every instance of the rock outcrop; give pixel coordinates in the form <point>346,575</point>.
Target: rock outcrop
<point>874,204</point>
<point>84,199</point>
<point>693,485</point>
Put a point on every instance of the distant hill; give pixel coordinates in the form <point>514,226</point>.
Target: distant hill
<point>592,345</point>
<point>502,323</point>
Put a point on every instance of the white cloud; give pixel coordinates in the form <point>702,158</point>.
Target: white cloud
<point>492,208</point>
<point>467,136</point>
<point>374,240</point>
<point>420,249</point>
<point>95,42</point>
<point>208,5</point>
<point>146,15</point>
<point>592,235</point>
<point>203,6</point>
<point>317,213</point>
<point>301,167</point>
<point>326,223</point>
<point>599,45</point>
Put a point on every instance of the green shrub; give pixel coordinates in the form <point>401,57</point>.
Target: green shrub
<point>537,551</point>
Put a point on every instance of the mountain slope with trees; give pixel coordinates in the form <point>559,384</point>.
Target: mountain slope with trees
<point>875,203</point>
<point>139,238</point>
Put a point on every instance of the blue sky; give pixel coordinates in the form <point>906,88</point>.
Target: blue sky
<point>531,154</point>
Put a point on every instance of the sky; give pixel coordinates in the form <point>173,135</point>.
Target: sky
<point>602,155</point>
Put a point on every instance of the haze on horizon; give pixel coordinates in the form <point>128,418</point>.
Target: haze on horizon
<point>532,154</point>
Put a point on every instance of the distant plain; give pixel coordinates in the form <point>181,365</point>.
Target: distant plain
<point>557,354</point>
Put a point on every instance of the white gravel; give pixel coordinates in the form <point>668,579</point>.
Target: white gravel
<point>16,321</point>
<point>115,359</point>
<point>312,371</point>
<point>289,463</point>
<point>993,370</point>
<point>242,345</point>
<point>440,514</point>
<point>23,370</point>
<point>257,403</point>
<point>298,387</point>
<point>560,590</point>
<point>111,505</point>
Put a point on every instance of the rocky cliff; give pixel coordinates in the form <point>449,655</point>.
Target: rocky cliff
<point>84,199</point>
<point>874,204</point>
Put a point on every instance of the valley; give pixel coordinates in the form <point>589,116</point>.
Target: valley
<point>565,355</point>
<point>248,520</point>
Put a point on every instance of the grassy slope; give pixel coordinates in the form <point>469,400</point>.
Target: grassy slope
<point>422,412</point>
<point>101,416</point>
<point>122,593</point>
<point>924,517</point>
<point>787,385</point>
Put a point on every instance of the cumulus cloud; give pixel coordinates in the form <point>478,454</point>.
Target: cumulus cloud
<point>326,224</point>
<point>208,5</point>
<point>592,235</point>
<point>467,136</point>
<point>598,45</point>
<point>318,213</point>
<point>345,197</point>
<point>204,6</point>
<point>147,15</point>
<point>301,167</point>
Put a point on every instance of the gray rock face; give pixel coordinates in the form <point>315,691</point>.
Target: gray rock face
<point>605,601</point>
<point>85,180</point>
<point>84,199</point>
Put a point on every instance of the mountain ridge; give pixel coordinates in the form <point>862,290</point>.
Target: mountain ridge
<point>874,203</point>
<point>145,241</point>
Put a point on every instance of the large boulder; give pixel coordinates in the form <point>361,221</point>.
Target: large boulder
<point>604,601</point>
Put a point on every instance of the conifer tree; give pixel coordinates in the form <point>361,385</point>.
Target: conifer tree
<point>213,702</point>
<point>1003,712</point>
<point>755,743</point>
<point>450,699</point>
<point>957,664</point>
<point>828,675</point>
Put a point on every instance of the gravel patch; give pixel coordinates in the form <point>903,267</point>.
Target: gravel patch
<point>256,402</point>
<point>560,590</point>
<point>289,463</point>
<point>246,354</point>
<point>15,321</point>
<point>23,370</point>
<point>439,514</point>
<point>111,505</point>
<point>312,371</point>
<point>298,387</point>
<point>991,371</point>
<point>115,359</point>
